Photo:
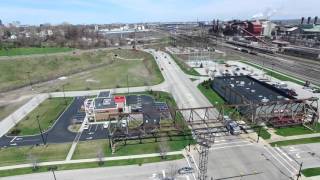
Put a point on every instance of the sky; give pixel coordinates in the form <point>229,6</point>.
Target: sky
<point>136,11</point>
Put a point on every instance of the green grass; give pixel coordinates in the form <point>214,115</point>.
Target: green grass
<point>296,130</point>
<point>264,133</point>
<point>30,51</point>
<point>275,74</point>
<point>21,155</point>
<point>296,141</point>
<point>48,112</point>
<point>139,161</point>
<point>311,172</point>
<point>184,67</point>
<point>211,95</point>
<point>100,69</point>
<point>90,149</point>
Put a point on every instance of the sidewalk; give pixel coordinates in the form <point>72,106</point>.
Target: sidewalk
<point>284,138</point>
<point>90,160</point>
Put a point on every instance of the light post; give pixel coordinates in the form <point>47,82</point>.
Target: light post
<point>41,133</point>
<point>64,95</point>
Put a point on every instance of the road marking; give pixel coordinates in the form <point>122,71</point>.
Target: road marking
<point>283,158</point>
<point>195,163</point>
<point>224,147</point>
<point>194,176</point>
<point>292,173</point>
<point>280,150</point>
<point>298,155</point>
<point>164,173</point>
<point>187,177</point>
<point>13,139</point>
<point>231,143</point>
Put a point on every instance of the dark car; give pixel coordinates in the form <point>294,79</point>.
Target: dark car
<point>233,127</point>
<point>185,170</point>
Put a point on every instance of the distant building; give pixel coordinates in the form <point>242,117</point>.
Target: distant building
<point>1,23</point>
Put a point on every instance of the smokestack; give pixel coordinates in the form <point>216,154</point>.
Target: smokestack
<point>309,19</point>
<point>302,19</point>
<point>315,20</point>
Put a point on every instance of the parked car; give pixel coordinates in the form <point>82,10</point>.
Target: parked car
<point>185,170</point>
<point>232,127</point>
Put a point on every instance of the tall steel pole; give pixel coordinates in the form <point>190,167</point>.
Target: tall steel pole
<point>41,133</point>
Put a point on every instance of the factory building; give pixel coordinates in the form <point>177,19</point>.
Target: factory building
<point>256,97</point>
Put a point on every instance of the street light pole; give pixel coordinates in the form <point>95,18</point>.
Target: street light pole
<point>299,173</point>
<point>41,133</point>
<point>64,95</point>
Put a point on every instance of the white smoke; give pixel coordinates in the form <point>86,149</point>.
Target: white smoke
<point>267,14</point>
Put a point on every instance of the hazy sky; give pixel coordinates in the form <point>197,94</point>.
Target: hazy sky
<point>108,11</point>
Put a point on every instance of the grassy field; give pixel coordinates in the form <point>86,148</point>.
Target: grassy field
<point>311,172</point>
<point>184,67</point>
<point>100,69</point>
<point>90,149</point>
<point>29,51</point>
<point>296,141</point>
<point>211,95</point>
<point>296,130</point>
<point>20,155</point>
<point>62,167</point>
<point>48,112</point>
<point>6,110</point>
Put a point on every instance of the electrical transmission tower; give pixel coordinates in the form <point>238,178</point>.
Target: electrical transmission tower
<point>204,141</point>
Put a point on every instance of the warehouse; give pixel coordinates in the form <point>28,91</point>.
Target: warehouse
<point>259,99</point>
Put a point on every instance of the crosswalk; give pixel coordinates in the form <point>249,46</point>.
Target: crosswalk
<point>282,159</point>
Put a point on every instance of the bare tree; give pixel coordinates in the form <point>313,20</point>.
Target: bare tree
<point>100,156</point>
<point>33,160</point>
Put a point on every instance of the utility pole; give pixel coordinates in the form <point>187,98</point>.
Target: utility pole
<point>128,83</point>
<point>299,173</point>
<point>43,140</point>
<point>259,133</point>
<point>64,95</point>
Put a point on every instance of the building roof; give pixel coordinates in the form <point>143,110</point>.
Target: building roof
<point>120,99</point>
<point>104,103</point>
<point>312,28</point>
<point>252,89</point>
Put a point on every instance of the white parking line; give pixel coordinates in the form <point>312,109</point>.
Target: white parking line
<point>13,139</point>
<point>164,173</point>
